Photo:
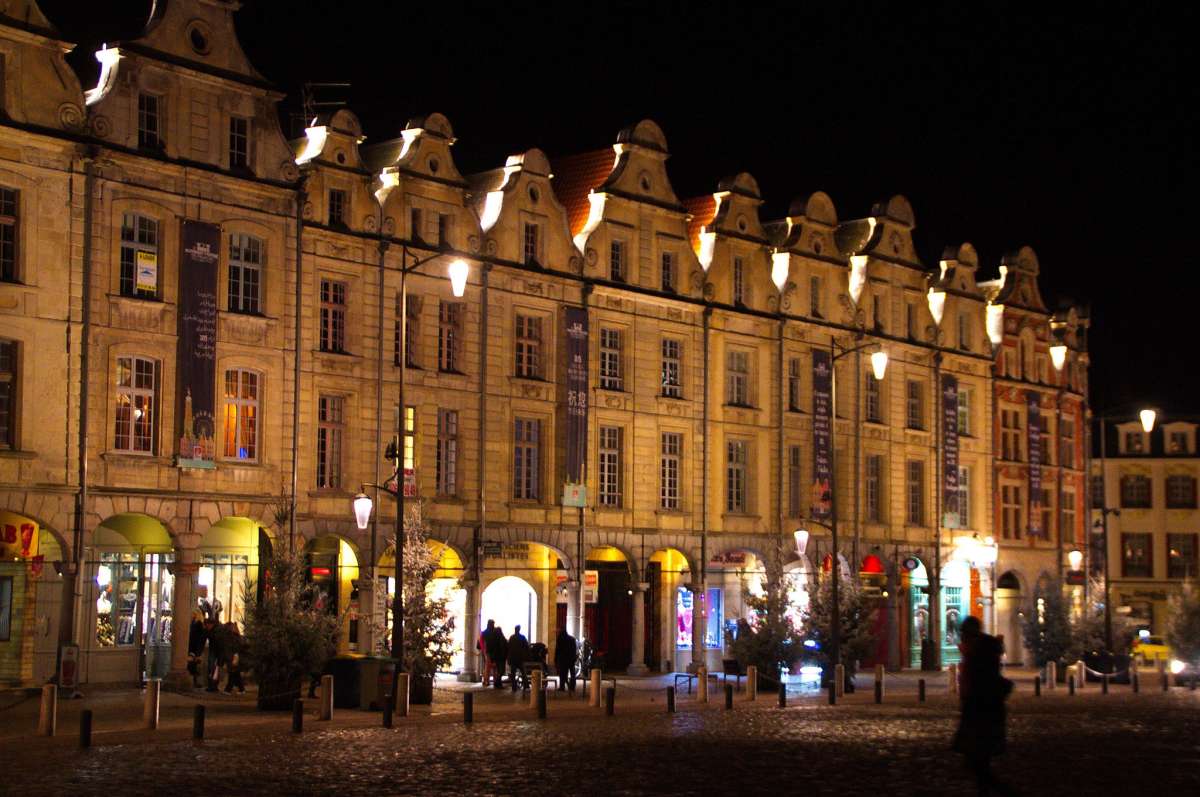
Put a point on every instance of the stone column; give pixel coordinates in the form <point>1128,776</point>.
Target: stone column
<point>470,671</point>
<point>638,665</point>
<point>186,569</point>
<point>366,612</point>
<point>575,610</point>
<point>698,650</point>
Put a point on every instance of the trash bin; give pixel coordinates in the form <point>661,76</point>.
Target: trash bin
<point>347,680</point>
<point>376,681</point>
<point>927,654</point>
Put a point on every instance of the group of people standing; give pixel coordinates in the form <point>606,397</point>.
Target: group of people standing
<point>516,653</point>
<point>214,646</point>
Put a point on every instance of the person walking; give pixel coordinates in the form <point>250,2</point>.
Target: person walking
<point>982,692</point>
<point>497,650</point>
<point>518,654</point>
<point>489,666</point>
<point>565,654</point>
<point>197,637</point>
<point>212,664</point>
<point>233,658</point>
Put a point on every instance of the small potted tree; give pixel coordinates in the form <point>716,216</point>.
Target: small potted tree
<point>428,626</point>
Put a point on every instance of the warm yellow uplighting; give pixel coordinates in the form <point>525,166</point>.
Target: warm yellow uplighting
<point>879,364</point>
<point>1147,417</point>
<point>458,277</point>
<point>1058,356</point>
<point>995,323</point>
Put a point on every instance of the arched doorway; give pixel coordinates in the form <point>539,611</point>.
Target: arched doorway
<point>228,558</point>
<point>540,567</point>
<point>1008,616</point>
<point>332,569</point>
<point>30,600</point>
<point>132,575</point>
<point>511,601</point>
<point>608,606</point>
<point>444,585</point>
<point>668,611</point>
<point>954,605</point>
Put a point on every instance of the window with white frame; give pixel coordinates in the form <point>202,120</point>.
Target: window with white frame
<point>139,256</point>
<point>795,397</point>
<point>450,336</point>
<point>874,488</point>
<point>239,142</point>
<point>447,452</point>
<point>1011,512</point>
<point>915,484</point>
<point>670,468</point>
<point>737,378</point>
<point>528,347</point>
<point>609,466</point>
<point>739,281</point>
<point>610,359</point>
<point>616,261</point>
<point>915,395</point>
<point>245,273</point>
<point>527,434</point>
<point>668,272</point>
<point>241,414</point>
<point>330,428</point>
<point>333,316</point>
<point>735,475</point>
<point>964,411</point>
<point>964,496</point>
<point>149,122</point>
<point>531,242</point>
<point>137,393</point>
<point>672,358</point>
<point>871,398</point>
<point>795,490</point>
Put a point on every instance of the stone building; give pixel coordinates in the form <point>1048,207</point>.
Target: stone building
<point>220,334</point>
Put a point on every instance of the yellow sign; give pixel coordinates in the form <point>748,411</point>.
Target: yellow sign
<point>18,537</point>
<point>147,271</point>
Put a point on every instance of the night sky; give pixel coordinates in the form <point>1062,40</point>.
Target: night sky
<point>1058,127</point>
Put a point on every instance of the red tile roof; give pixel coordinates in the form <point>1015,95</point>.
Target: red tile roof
<point>703,210</point>
<point>574,178</point>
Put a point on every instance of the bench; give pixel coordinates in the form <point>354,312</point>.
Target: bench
<point>689,677</point>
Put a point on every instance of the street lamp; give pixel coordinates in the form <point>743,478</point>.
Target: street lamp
<point>1147,418</point>
<point>1075,559</point>
<point>801,536</point>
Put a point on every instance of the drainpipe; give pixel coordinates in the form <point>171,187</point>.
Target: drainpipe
<point>481,531</point>
<point>383,247</point>
<point>783,394</point>
<point>857,481</point>
<point>301,194</point>
<point>577,598</point>
<point>935,580</point>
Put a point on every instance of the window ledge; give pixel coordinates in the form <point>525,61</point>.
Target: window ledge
<point>452,500</point>
<point>740,516</point>
<point>740,406</point>
<point>539,380</point>
<point>247,464</point>
<point>130,457</point>
<point>671,398</point>
<point>16,453</point>
<point>517,504</point>
<point>671,512</point>
<point>331,492</point>
<point>125,298</point>
<point>348,355</point>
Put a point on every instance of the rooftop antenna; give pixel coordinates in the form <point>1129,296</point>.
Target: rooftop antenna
<point>310,105</point>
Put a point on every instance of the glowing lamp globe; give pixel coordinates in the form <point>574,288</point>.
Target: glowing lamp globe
<point>1058,356</point>
<point>362,510</point>
<point>879,363</point>
<point>1076,559</point>
<point>458,277</point>
<point>1147,417</point>
<point>801,536</point>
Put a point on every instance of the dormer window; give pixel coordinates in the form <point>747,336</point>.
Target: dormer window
<point>668,272</point>
<point>1178,443</point>
<point>337,208</point>
<point>1134,443</point>
<point>616,261</point>
<point>531,241</point>
<point>239,142</point>
<point>149,122</point>
<point>739,281</point>
<point>964,332</point>
<point>814,297</point>
<point>414,219</point>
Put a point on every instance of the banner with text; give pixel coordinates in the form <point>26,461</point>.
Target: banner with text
<point>1033,417</point>
<point>577,393</point>
<point>951,511</point>
<point>822,392</point>
<point>197,361</point>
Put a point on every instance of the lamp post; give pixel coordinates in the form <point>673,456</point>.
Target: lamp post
<point>1058,358</point>
<point>457,271</point>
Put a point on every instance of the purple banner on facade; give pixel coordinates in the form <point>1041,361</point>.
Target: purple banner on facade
<point>577,393</point>
<point>196,365</point>
<point>1033,417</point>
<point>822,392</point>
<point>952,513</point>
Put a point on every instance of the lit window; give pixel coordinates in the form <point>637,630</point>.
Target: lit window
<point>241,415</point>
<point>139,256</point>
<point>333,316</point>
<point>137,387</point>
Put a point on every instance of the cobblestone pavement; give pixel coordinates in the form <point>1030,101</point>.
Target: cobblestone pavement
<point>1087,744</point>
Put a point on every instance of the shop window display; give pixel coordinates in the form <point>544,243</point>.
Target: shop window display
<point>222,582</point>
<point>712,612</point>
<point>134,599</point>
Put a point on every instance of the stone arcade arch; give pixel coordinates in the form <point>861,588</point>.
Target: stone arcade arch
<point>446,584</point>
<point>31,566</point>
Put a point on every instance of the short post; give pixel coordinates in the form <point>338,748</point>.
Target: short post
<point>541,703</point>
<point>594,686</point>
<point>751,682</point>
<point>878,683</point>
<point>1071,684</point>
<point>198,722</point>
<point>1081,671</point>
<point>326,697</point>
<point>729,697</point>
<point>1037,686</point>
<point>85,728</point>
<point>468,707</point>
<point>1134,680</point>
<point>402,694</point>
<point>920,690</point>
<point>1051,674</point>
<point>298,716</point>
<point>1162,676</point>
<point>535,683</point>
<point>702,685</point>
<point>839,679</point>
<point>610,698</point>
<point>783,695</point>
<point>1104,684</point>
<point>670,700</point>
<point>832,694</point>
<point>1192,683</point>
<point>952,687</point>
<point>48,717</point>
<point>389,705</point>
<point>150,708</point>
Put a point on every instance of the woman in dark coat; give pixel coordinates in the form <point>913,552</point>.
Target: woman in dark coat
<point>982,692</point>
<point>197,637</point>
<point>565,654</point>
<point>497,652</point>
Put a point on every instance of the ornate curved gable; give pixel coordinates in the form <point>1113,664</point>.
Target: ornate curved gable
<point>44,91</point>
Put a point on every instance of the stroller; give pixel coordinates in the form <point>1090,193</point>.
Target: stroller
<point>536,661</point>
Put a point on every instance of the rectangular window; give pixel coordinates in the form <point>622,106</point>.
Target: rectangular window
<point>333,316</point>
<point>910,321</point>
<point>877,313</point>
<point>444,222</point>
<point>450,336</point>
<point>616,261</point>
<point>814,297</point>
<point>526,459</point>
<point>964,411</point>
<point>916,405</point>
<point>8,393</point>
<point>241,415</point>
<point>137,387</point>
<point>672,383</point>
<point>529,347</point>
<point>414,224</point>
<point>410,438</point>
<point>964,497</point>
<point>737,378</point>
<point>1047,510</point>
<point>735,475</point>
<point>1133,443</point>
<point>330,415</point>
<point>1097,492</point>
<point>9,207</point>
<point>1177,442</point>
<point>610,360</point>
<point>795,397</point>
<point>530,243</point>
<point>6,605</point>
<point>412,330</point>
<point>1136,561</point>
<point>670,469</point>
<point>1010,511</point>
<point>139,256</point>
<point>1181,491</point>
<point>1010,435</point>
<point>1067,531</point>
<point>668,272</point>
<point>1067,455</point>
<point>337,208</point>
<point>245,273</point>
<point>739,281</point>
<point>1135,492</point>
<point>149,127</point>
<point>964,332</point>
<point>916,493</point>
<point>872,408</point>
<point>447,452</point>
<point>874,488</point>
<point>239,142</point>
<point>610,466</point>
<point>795,490</point>
<point>1181,556</point>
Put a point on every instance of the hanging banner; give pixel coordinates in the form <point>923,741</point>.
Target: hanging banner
<point>1033,418</point>
<point>577,399</point>
<point>822,392</point>
<point>197,360</point>
<point>951,513</point>
<point>591,586</point>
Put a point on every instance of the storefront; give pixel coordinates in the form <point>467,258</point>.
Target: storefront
<point>131,566</point>
<point>608,608</point>
<point>30,601</point>
<point>445,585</point>
<point>228,574</point>
<point>955,603</point>
<point>331,569</point>
<point>666,573</point>
<point>520,583</point>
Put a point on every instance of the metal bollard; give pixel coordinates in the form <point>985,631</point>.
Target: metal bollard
<point>594,686</point>
<point>389,705</point>
<point>1051,674</point>
<point>832,694</point>
<point>1081,671</point>
<point>702,685</point>
<point>48,717</point>
<point>402,694</point>
<point>535,684</point>
<point>150,709</point>
<point>198,722</point>
<point>541,704</point>
<point>878,683</point>
<point>1134,681</point>
<point>783,695</point>
<point>297,716</point>
<point>1071,684</point>
<point>953,675</point>
<point>85,728</point>
<point>468,707</point>
<point>920,690</point>
<point>751,682</point>
<point>610,698</point>
<point>1104,684</point>
<point>670,700</point>
<point>1037,686</point>
<point>729,697</point>
<point>839,679</point>
<point>326,697</point>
